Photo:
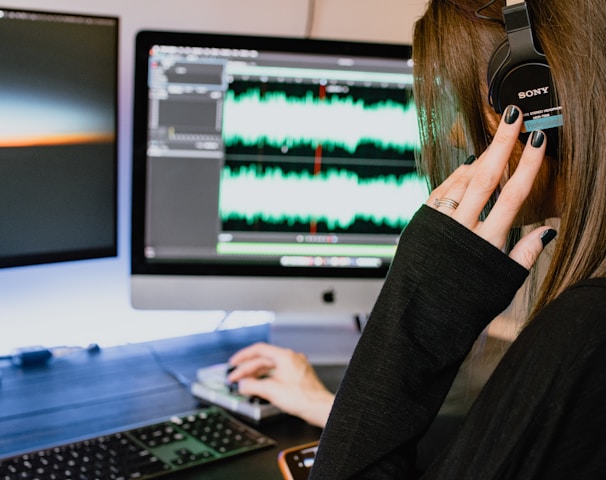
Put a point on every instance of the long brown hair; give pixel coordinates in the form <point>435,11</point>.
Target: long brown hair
<point>452,45</point>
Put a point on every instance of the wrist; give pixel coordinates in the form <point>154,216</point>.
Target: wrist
<point>317,408</point>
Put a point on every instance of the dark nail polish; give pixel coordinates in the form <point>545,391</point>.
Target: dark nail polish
<point>470,160</point>
<point>547,236</point>
<point>537,138</point>
<point>511,114</point>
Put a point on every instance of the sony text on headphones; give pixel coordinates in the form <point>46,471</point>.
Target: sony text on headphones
<point>519,74</point>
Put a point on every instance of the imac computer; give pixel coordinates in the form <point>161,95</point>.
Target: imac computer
<point>269,173</point>
<point>58,116</point>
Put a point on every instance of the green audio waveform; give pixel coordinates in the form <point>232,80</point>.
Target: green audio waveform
<point>276,120</point>
<point>337,197</point>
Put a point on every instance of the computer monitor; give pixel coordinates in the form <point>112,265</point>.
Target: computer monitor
<point>58,124</point>
<point>269,173</point>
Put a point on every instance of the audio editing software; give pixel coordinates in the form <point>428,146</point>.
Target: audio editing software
<point>293,156</point>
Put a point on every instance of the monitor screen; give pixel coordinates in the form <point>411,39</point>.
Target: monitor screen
<point>58,116</point>
<point>269,173</point>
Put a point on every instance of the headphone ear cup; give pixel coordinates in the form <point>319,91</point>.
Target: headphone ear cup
<point>507,84</point>
<point>518,74</point>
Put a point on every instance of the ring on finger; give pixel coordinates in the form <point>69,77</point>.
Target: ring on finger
<point>446,202</point>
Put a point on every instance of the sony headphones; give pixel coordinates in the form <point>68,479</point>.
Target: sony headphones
<point>518,74</point>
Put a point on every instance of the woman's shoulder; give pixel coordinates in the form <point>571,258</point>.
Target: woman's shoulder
<point>583,301</point>
<point>559,345</point>
<point>574,322</point>
<point>591,287</point>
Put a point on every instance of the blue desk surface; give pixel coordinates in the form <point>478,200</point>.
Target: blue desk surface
<point>83,395</point>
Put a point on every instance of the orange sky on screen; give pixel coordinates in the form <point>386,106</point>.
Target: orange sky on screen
<point>65,139</point>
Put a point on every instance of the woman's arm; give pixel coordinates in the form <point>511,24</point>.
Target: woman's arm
<point>430,311</point>
<point>449,279</point>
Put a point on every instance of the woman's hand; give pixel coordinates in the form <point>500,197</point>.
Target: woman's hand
<point>464,194</point>
<point>284,378</point>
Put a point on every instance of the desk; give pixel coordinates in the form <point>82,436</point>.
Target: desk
<point>82,395</point>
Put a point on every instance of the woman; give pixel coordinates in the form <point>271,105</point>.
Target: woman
<point>542,413</point>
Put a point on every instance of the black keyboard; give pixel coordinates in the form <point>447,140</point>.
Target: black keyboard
<point>149,451</point>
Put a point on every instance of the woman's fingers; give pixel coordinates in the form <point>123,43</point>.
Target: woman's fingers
<point>527,250</point>
<point>254,360</point>
<point>252,367</point>
<point>488,170</point>
<point>465,193</point>
<point>514,192</point>
<point>452,190</point>
<point>259,349</point>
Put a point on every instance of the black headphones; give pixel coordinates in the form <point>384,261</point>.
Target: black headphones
<point>518,74</point>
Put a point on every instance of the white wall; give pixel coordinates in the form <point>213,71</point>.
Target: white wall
<point>83,302</point>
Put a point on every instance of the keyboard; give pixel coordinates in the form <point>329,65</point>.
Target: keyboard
<point>148,451</point>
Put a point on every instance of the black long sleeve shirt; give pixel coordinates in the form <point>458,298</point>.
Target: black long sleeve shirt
<point>542,413</point>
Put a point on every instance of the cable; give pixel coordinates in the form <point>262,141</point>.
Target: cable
<point>222,321</point>
<point>36,355</point>
<point>485,17</point>
<point>179,377</point>
<point>311,13</point>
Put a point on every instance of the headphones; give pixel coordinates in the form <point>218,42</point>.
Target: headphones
<point>518,74</point>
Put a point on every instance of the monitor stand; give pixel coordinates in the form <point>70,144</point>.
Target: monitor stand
<point>326,340</point>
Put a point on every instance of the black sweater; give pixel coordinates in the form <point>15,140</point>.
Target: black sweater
<point>542,414</point>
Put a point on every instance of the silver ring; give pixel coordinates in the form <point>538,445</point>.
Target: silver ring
<point>446,202</point>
